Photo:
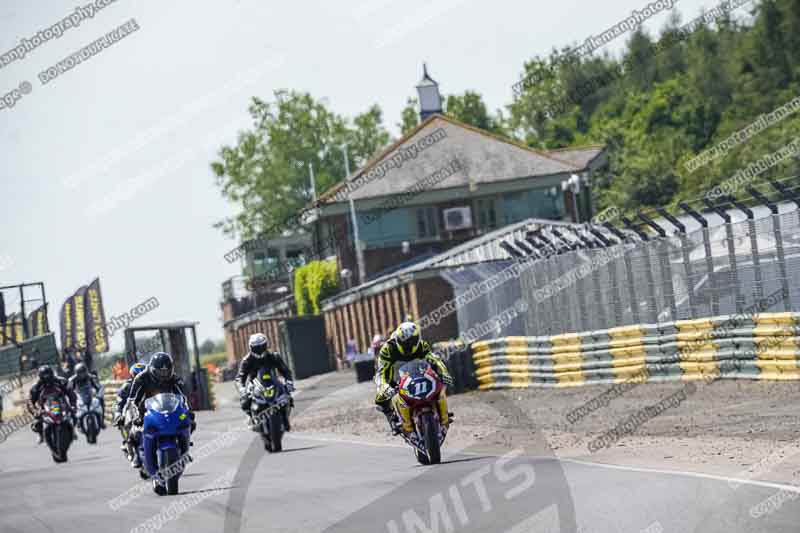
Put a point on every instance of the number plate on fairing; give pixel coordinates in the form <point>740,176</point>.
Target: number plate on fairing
<point>419,387</point>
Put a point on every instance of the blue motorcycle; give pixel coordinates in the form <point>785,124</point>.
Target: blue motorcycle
<point>165,440</point>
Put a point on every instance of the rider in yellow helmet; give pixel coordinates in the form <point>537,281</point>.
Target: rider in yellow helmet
<point>406,344</point>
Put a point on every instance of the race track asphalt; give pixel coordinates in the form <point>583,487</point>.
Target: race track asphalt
<point>321,484</point>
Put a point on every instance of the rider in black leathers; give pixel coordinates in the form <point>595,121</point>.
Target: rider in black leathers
<point>158,378</point>
<point>83,378</point>
<point>50,384</point>
<point>260,359</point>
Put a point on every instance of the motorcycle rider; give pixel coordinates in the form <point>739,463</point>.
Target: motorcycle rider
<point>122,397</point>
<point>260,359</point>
<point>83,378</point>
<point>406,344</point>
<point>124,392</point>
<point>49,384</point>
<point>159,377</point>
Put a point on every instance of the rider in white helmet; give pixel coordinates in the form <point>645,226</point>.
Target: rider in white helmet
<point>259,359</point>
<point>406,344</point>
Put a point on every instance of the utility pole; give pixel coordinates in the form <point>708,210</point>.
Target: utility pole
<point>313,184</point>
<point>354,220</point>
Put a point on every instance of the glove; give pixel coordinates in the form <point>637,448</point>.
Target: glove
<point>447,379</point>
<point>289,385</point>
<point>118,421</point>
<point>386,394</point>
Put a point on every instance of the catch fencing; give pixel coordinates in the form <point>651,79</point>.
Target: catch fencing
<point>762,346</point>
<point>683,267</point>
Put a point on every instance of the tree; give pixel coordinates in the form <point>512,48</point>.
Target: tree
<point>667,100</point>
<point>409,117</point>
<point>266,173</point>
<point>208,347</point>
<point>470,109</point>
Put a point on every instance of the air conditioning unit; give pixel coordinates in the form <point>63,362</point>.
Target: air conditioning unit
<point>457,218</point>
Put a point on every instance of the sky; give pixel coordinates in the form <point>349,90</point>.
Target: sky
<point>104,169</point>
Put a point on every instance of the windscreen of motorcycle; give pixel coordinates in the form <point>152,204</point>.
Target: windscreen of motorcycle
<point>163,403</point>
<point>414,368</point>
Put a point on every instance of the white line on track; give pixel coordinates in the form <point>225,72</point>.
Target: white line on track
<point>756,483</point>
<point>715,477</point>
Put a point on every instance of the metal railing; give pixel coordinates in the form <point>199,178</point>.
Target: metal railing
<point>727,259</point>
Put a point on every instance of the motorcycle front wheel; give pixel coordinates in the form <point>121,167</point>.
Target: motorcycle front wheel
<point>60,439</point>
<point>166,458</point>
<point>276,431</point>
<point>91,430</point>
<point>430,430</point>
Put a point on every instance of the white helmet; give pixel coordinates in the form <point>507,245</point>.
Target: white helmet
<point>258,344</point>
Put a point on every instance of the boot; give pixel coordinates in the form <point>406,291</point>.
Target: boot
<point>394,424</point>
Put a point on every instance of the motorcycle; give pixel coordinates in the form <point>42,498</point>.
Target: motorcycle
<point>165,439</point>
<point>419,387</point>
<point>270,409</point>
<point>57,427</point>
<point>90,413</point>
<point>131,437</point>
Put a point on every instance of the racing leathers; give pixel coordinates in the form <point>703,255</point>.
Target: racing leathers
<point>146,385</point>
<point>76,383</point>
<point>250,367</point>
<point>57,386</point>
<point>122,397</point>
<point>392,353</point>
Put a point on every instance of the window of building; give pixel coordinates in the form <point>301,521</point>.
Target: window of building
<point>487,213</point>
<point>382,227</point>
<point>515,207</point>
<point>427,226</point>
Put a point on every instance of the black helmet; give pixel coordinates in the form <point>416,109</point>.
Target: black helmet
<point>81,371</point>
<point>46,373</point>
<point>161,366</point>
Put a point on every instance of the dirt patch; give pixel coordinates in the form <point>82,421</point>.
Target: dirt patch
<point>748,429</point>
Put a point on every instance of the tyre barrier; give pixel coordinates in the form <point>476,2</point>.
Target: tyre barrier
<point>460,363</point>
<point>110,389</point>
<point>764,346</point>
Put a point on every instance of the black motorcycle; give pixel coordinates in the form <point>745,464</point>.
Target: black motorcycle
<point>57,426</point>
<point>270,408</point>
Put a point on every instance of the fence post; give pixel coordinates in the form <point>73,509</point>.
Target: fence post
<point>648,269</point>
<point>664,265</point>
<point>637,318</point>
<point>731,252</point>
<point>751,229</point>
<point>687,261</point>
<point>778,234</point>
<point>712,278</point>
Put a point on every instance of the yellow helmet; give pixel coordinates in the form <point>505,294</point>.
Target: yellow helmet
<point>408,337</point>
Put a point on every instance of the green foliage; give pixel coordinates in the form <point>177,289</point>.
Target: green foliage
<point>313,283</point>
<point>208,346</point>
<point>470,109</point>
<point>666,100</point>
<point>409,116</point>
<point>266,173</point>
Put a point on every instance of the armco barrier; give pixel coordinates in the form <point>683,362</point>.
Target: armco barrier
<point>764,346</point>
